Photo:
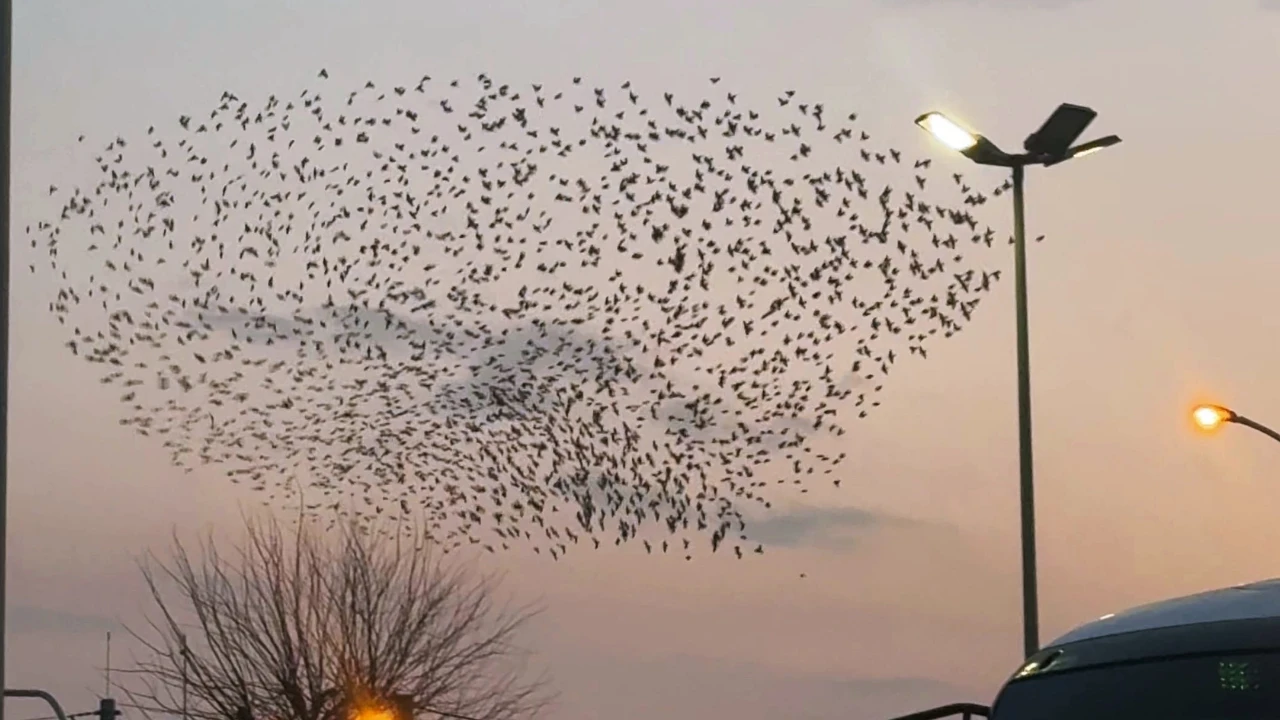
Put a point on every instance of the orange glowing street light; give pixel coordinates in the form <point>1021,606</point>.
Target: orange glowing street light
<point>375,713</point>
<point>394,707</point>
<point>1211,417</point>
<point>400,707</point>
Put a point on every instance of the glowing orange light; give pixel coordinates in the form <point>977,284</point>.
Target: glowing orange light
<point>373,713</point>
<point>1209,417</point>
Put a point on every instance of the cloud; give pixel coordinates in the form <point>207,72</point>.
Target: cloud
<point>36,619</point>
<point>825,527</point>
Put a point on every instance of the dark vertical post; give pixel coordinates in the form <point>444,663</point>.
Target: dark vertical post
<point>6,93</point>
<point>1030,603</point>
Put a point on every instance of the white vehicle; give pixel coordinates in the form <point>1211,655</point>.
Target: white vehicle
<point>1210,656</point>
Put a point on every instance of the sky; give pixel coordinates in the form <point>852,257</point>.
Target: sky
<point>1152,292</point>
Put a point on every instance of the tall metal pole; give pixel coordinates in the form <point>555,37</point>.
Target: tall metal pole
<point>106,691</point>
<point>6,91</point>
<point>1030,603</point>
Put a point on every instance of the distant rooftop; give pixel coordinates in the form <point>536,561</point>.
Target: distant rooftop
<point>1239,602</point>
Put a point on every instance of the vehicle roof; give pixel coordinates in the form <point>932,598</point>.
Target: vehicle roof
<point>1239,602</point>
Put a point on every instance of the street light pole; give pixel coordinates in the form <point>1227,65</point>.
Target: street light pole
<point>1026,485</point>
<point>1050,145</point>
<point>6,92</point>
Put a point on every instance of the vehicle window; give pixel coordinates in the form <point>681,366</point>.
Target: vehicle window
<point>1238,687</point>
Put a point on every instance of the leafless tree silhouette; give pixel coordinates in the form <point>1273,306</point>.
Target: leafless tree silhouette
<point>300,624</point>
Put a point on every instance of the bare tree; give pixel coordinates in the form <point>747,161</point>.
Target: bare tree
<point>308,625</point>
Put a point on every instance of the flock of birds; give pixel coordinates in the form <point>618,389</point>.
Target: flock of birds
<point>540,316</point>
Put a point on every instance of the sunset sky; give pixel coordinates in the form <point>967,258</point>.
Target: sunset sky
<point>1154,290</point>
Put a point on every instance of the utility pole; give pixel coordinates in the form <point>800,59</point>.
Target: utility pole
<point>106,691</point>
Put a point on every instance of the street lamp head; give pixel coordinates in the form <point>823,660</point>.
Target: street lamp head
<point>973,146</point>
<point>1049,145</point>
<point>1063,127</point>
<point>1093,146</point>
<point>1210,417</point>
<point>374,713</point>
<point>946,131</point>
<point>1083,149</point>
<point>395,707</point>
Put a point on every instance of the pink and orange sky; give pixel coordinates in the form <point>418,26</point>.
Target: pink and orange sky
<point>1155,290</point>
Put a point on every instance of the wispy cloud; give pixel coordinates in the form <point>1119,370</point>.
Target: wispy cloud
<point>823,527</point>
<point>36,619</point>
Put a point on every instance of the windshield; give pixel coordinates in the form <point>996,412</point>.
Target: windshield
<point>1237,687</point>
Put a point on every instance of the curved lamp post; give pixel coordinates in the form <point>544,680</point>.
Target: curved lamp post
<point>1211,417</point>
<point>1050,145</point>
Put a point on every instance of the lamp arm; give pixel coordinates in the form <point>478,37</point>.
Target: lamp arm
<point>1242,420</point>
